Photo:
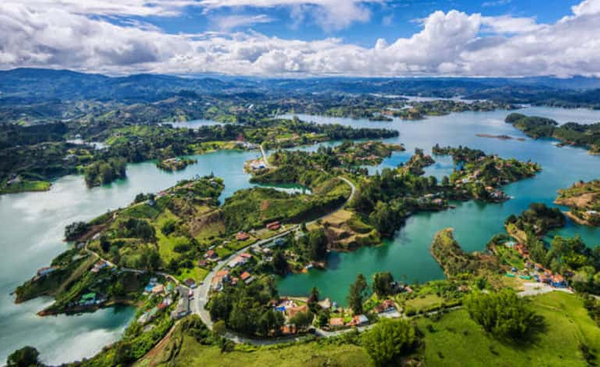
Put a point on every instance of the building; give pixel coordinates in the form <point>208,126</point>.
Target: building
<point>99,266</point>
<point>45,271</point>
<point>190,283</point>
<point>359,320</point>
<point>273,226</point>
<point>242,236</point>
<point>385,306</point>
<point>158,289</point>
<point>336,322</point>
<point>210,255</point>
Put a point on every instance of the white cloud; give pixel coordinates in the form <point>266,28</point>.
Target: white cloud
<point>230,22</point>
<point>508,24</point>
<point>111,7</point>
<point>329,14</point>
<point>452,43</point>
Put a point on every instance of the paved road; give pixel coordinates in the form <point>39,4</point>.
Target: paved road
<point>262,151</point>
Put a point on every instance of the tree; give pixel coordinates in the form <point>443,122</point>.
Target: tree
<point>503,314</point>
<point>270,320</point>
<point>382,284</point>
<point>388,340</point>
<point>357,294</point>
<point>302,320</point>
<point>24,357</point>
<point>280,264</point>
<point>313,300</point>
<point>317,245</point>
<point>219,328</point>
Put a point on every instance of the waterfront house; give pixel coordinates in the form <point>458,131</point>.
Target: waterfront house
<point>385,306</point>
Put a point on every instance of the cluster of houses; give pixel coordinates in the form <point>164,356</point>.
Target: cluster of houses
<point>386,308</point>
<point>540,274</point>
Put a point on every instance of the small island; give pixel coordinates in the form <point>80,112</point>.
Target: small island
<point>175,164</point>
<point>583,200</point>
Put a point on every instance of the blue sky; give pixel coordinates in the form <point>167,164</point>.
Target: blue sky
<point>305,37</point>
<point>388,20</point>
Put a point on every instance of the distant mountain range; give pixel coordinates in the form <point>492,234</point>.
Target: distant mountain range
<point>28,85</point>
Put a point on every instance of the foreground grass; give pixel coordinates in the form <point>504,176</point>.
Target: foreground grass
<point>306,354</point>
<point>455,340</point>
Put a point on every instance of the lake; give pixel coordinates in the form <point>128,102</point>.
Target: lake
<point>407,254</point>
<point>33,223</point>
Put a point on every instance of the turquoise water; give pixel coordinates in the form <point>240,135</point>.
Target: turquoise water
<point>31,235</point>
<point>407,254</point>
<point>33,223</point>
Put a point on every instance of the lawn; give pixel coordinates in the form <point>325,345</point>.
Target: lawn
<point>455,340</point>
<point>424,303</point>
<point>196,273</point>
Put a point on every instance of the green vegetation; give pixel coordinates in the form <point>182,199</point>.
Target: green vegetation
<point>104,172</point>
<point>503,314</point>
<point>583,135</point>
<point>175,164</point>
<point>389,340</point>
<point>479,175</point>
<point>24,357</point>
<point>455,262</point>
<point>245,308</point>
<point>583,200</point>
<point>358,294</point>
<point>453,339</point>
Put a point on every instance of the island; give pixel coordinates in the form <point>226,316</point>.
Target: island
<point>175,164</point>
<point>583,200</point>
<point>571,133</point>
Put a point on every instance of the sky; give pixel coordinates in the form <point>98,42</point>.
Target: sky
<point>301,38</point>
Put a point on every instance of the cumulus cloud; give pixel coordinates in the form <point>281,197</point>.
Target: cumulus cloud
<point>452,43</point>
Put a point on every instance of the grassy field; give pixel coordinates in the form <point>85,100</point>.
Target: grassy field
<point>455,340</point>
<point>25,186</point>
<point>302,355</point>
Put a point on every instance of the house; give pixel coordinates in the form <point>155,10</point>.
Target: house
<point>210,255</point>
<point>99,266</point>
<point>359,320</point>
<point>158,289</point>
<point>183,306</point>
<point>202,263</point>
<point>242,236</point>
<point>292,311</point>
<point>219,278</point>
<point>190,283</point>
<point>245,275</point>
<point>336,322</point>
<point>385,306</point>
<point>238,260</point>
<point>249,280</point>
<point>273,226</point>
<point>558,281</point>
<point>45,271</point>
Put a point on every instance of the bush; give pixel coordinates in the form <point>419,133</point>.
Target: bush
<point>503,314</point>
<point>389,340</point>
